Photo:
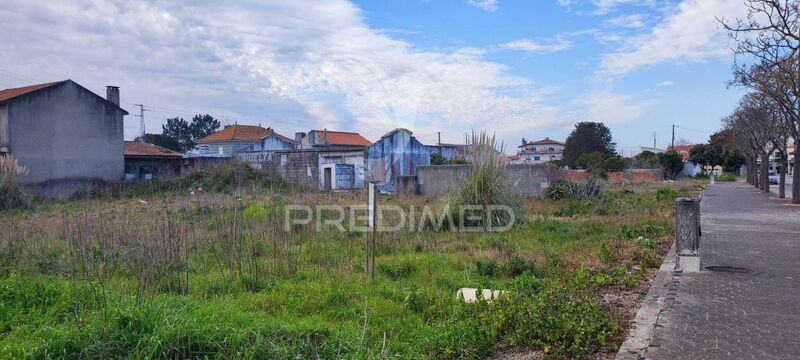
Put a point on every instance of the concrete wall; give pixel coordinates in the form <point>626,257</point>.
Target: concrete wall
<point>223,148</point>
<point>66,134</point>
<point>355,158</point>
<point>526,180</point>
<point>135,168</point>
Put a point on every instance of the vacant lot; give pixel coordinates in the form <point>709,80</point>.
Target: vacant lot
<point>173,275</point>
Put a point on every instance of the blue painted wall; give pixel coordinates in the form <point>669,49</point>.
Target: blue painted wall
<point>396,154</point>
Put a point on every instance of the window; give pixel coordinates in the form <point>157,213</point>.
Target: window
<point>552,149</point>
<point>536,158</point>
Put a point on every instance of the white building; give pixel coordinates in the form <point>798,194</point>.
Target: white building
<point>538,152</point>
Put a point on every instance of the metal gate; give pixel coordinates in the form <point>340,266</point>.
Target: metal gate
<point>345,176</point>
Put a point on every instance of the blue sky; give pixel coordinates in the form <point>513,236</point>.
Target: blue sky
<point>527,69</point>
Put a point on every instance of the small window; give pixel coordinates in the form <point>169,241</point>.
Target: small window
<point>536,158</point>
<point>552,149</point>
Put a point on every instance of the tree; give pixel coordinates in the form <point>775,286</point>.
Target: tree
<point>437,159</point>
<point>671,163</point>
<point>160,140</point>
<point>588,137</point>
<point>179,129</point>
<point>697,154</point>
<point>203,125</point>
<point>770,37</point>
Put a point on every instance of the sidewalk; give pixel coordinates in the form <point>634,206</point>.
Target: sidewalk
<point>774,188</point>
<point>748,311</point>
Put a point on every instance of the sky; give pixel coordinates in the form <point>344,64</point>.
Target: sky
<point>520,69</point>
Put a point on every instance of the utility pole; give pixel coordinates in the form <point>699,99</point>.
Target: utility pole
<point>654,139</point>
<point>141,118</point>
<point>439,134</point>
<point>673,137</point>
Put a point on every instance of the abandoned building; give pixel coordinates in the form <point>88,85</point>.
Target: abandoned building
<point>68,137</point>
<point>323,168</point>
<point>233,138</point>
<point>145,161</point>
<point>326,138</point>
<point>449,151</point>
<point>396,154</point>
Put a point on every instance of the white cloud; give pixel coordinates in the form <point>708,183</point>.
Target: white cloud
<point>633,21</point>
<point>664,84</point>
<point>606,6</point>
<point>488,5</point>
<point>312,64</point>
<point>535,47</point>
<point>690,33</point>
<point>609,108</point>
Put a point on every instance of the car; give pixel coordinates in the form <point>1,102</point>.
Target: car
<point>773,178</point>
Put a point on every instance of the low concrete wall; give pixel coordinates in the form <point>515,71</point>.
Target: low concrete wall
<point>526,180</point>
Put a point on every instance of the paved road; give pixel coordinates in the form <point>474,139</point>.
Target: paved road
<point>724,315</point>
<point>774,188</point>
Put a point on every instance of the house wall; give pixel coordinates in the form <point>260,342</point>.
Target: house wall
<point>158,168</point>
<point>448,152</point>
<point>66,134</point>
<point>223,148</point>
<point>355,158</point>
<point>395,155</point>
<point>526,180</point>
<point>3,128</point>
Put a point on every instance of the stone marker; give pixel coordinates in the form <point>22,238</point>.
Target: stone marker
<point>687,234</point>
<point>470,295</point>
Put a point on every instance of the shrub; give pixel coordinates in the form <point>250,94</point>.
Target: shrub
<point>397,270</point>
<point>566,189</point>
<point>726,178</point>
<point>518,265</point>
<point>484,186</point>
<point>666,193</point>
<point>487,268</point>
<point>11,193</point>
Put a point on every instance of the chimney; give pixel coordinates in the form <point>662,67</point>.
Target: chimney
<point>299,136</point>
<point>112,94</point>
<point>523,141</point>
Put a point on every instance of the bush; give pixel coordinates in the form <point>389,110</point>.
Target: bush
<point>566,189</point>
<point>226,178</point>
<point>666,194</point>
<point>12,195</point>
<point>726,178</point>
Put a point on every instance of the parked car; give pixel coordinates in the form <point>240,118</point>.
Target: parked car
<point>773,178</point>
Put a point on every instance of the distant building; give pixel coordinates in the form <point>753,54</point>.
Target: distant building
<point>450,151</point>
<point>397,153</point>
<point>145,161</point>
<point>68,137</point>
<point>539,152</point>
<point>323,168</point>
<point>683,150</point>
<point>328,138</point>
<point>227,141</point>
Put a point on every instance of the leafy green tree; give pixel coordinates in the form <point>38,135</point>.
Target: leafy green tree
<point>437,159</point>
<point>671,163</point>
<point>203,125</point>
<point>179,129</point>
<point>587,138</point>
<point>161,140</point>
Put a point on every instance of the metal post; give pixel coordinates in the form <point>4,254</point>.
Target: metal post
<point>687,234</point>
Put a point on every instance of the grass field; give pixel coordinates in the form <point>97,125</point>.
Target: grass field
<point>215,275</point>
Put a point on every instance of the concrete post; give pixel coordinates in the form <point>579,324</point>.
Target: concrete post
<point>687,234</point>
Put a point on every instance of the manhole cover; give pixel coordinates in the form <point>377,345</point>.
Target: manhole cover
<point>730,269</point>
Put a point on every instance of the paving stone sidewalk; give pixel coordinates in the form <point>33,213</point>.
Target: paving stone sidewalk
<point>751,314</point>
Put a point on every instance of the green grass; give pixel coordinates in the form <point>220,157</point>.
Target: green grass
<point>212,278</point>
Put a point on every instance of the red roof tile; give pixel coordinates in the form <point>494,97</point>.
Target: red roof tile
<point>243,133</point>
<point>141,149</point>
<point>8,94</point>
<point>343,138</point>
<point>546,141</point>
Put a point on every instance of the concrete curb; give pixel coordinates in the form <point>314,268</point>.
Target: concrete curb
<point>638,339</point>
